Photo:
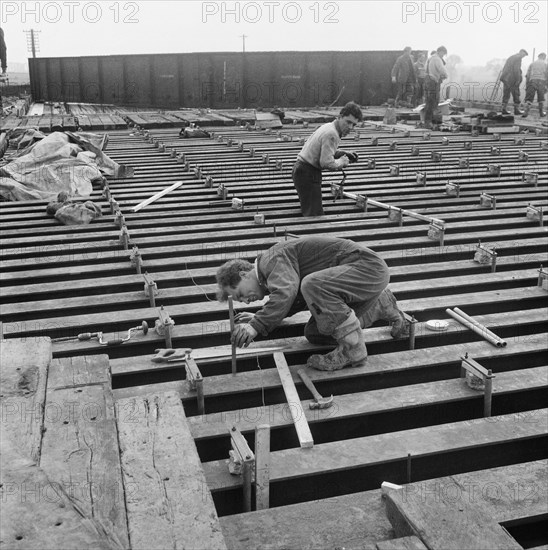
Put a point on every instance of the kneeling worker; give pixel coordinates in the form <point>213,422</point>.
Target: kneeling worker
<point>342,283</point>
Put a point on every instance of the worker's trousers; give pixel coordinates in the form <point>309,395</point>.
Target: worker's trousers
<point>354,284</point>
<point>510,89</point>
<point>535,86</point>
<point>308,183</point>
<point>432,98</point>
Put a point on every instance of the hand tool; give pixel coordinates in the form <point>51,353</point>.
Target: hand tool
<point>83,336</point>
<point>319,401</point>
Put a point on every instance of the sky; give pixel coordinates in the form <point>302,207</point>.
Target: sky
<point>477,31</point>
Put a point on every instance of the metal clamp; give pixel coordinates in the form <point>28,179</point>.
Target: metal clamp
<point>394,170</point>
<point>535,213</point>
<point>370,163</point>
<point>530,178</point>
<point>361,202</point>
<point>464,162</point>
<point>421,178</point>
<point>452,189</point>
<point>493,169</point>
<point>542,278</point>
<point>415,151</point>
<point>164,326</point>
<point>478,378</point>
<point>395,215</point>
<point>488,201</point>
<point>485,255</point>
<point>241,462</point>
<point>208,181</point>
<point>523,156</point>
<point>238,204</point>
<point>222,191</point>
<point>436,232</point>
<point>151,289</point>
<point>124,238</point>
<point>495,151</point>
<point>436,156</point>
<point>136,259</point>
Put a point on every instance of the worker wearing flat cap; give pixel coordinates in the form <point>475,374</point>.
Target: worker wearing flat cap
<point>320,152</point>
<point>343,284</point>
<point>511,77</point>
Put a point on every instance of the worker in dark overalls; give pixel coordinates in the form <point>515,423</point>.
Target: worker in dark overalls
<point>342,283</point>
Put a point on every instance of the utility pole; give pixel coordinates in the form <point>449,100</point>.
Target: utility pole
<point>243,37</point>
<point>32,41</point>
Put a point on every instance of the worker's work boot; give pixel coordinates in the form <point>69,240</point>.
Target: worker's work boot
<point>504,110</point>
<point>526,110</point>
<point>350,351</point>
<point>541,111</point>
<point>386,309</point>
<point>517,110</point>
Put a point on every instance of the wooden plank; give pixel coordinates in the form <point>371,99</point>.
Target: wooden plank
<point>358,521</point>
<point>262,466</point>
<point>38,513</point>
<point>80,443</point>
<point>419,442</point>
<point>171,506</point>
<point>292,397</point>
<point>23,371</point>
<point>402,543</point>
<point>446,526</point>
<point>157,196</point>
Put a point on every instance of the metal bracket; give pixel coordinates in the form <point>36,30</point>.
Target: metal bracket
<point>436,232</point>
<point>241,462</point>
<point>464,162</point>
<point>530,178</point>
<point>415,151</point>
<point>496,136</point>
<point>106,190</point>
<point>544,145</point>
<point>478,378</point>
<point>445,141</point>
<point>495,150</point>
<point>436,156</point>
<point>370,163</point>
<point>164,326</point>
<point>114,206</point>
<point>394,170</point>
<point>361,202</point>
<point>195,380</point>
<point>222,191</point>
<point>151,289</point>
<point>412,328</point>
<point>426,136</point>
<point>519,140</point>
<point>452,189</point>
<point>119,219</point>
<point>374,141</point>
<point>523,156</point>
<point>252,151</point>
<point>136,259</point>
<point>467,145</point>
<point>542,278</point>
<point>485,255</point>
<point>395,214</point>
<point>535,213</point>
<point>124,237</point>
<point>258,218</point>
<point>198,172</point>
<point>421,178</point>
<point>237,204</point>
<point>493,169</point>
<point>208,181</point>
<point>393,146</point>
<point>279,165</point>
<point>173,153</point>
<point>266,158</point>
<point>489,201</point>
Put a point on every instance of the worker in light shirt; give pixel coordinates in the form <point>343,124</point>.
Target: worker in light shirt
<point>320,152</point>
<point>435,74</point>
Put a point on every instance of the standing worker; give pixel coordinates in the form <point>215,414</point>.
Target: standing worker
<point>435,74</point>
<point>342,283</point>
<point>536,81</point>
<point>511,77</point>
<point>420,72</point>
<point>403,76</point>
<point>320,153</point>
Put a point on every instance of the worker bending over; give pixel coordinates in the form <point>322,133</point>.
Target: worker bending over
<point>342,283</point>
<point>320,153</point>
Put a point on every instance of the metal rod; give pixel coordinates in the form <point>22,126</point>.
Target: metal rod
<point>412,333</point>
<point>479,325</point>
<point>481,331</point>
<point>200,395</point>
<point>247,471</point>
<point>408,467</point>
<point>233,344</point>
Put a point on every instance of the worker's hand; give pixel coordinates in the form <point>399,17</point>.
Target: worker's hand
<point>243,317</point>
<point>352,156</point>
<point>343,162</point>
<point>243,335</point>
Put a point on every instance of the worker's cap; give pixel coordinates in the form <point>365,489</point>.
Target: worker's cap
<point>524,52</point>
<point>407,49</point>
<point>442,50</point>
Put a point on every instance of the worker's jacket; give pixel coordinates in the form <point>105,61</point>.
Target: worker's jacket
<point>511,72</point>
<point>403,69</point>
<point>281,269</point>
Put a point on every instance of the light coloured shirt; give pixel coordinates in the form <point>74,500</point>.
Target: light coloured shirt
<point>320,148</point>
<point>436,69</point>
<point>538,70</point>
